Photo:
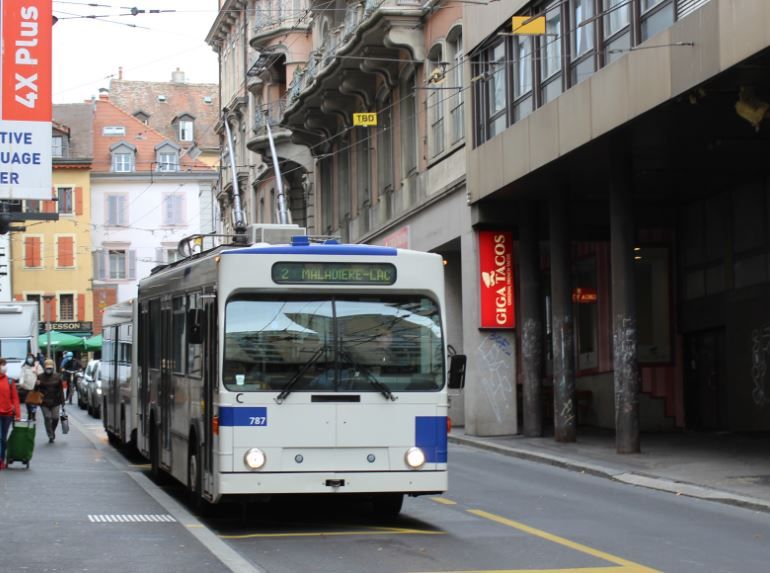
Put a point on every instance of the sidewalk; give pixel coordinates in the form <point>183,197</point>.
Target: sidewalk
<point>726,467</point>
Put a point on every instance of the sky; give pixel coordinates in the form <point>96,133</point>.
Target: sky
<point>86,51</point>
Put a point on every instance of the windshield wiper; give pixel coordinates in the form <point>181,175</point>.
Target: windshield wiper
<point>294,379</point>
<point>381,387</point>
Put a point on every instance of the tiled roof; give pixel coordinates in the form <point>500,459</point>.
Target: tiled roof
<point>180,98</point>
<point>79,118</point>
<point>136,134</point>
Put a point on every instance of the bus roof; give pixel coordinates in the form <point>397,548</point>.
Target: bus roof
<point>322,249</point>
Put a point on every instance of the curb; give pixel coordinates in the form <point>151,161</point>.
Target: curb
<point>619,475</point>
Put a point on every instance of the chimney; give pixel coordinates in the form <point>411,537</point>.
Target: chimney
<point>177,76</point>
<point>120,72</point>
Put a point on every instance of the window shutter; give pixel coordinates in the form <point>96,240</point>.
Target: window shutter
<point>78,200</point>
<point>50,206</point>
<point>19,297</point>
<point>131,264</point>
<point>99,265</point>
<point>53,309</point>
<point>81,307</point>
<point>122,211</point>
<point>29,251</point>
<point>65,257</point>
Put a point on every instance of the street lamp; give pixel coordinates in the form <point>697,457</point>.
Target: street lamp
<point>48,298</point>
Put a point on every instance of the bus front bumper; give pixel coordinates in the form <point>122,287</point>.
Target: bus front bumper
<point>256,483</point>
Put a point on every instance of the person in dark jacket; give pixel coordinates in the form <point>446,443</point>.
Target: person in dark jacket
<point>51,386</point>
<point>9,408</point>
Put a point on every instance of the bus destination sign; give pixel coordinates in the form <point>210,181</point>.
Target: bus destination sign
<point>334,273</point>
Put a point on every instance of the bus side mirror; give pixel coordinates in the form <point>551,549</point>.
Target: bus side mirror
<point>457,371</point>
<point>195,326</point>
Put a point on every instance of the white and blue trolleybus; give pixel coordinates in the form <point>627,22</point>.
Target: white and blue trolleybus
<point>296,368</point>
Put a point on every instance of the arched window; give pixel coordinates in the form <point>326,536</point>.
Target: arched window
<point>435,100</point>
<point>455,57</point>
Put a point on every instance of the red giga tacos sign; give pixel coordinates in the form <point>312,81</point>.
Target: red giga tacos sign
<point>496,279</point>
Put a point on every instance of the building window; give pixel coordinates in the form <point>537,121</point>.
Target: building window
<point>550,53</point>
<point>172,255</point>
<point>435,101</point>
<point>385,146</point>
<point>143,117</point>
<point>66,200</point>
<point>65,252</point>
<point>66,307</point>
<point>586,314</point>
<point>653,304</point>
<point>168,161</point>
<point>582,40</point>
<point>497,90</point>
<point>117,264</point>
<point>656,16</point>
<point>33,249</point>
<point>343,182</point>
<point>39,300</point>
<point>409,125</point>
<point>617,29</point>
<point>455,56</point>
<point>32,206</point>
<point>363,181</point>
<point>123,162</point>
<point>116,210</point>
<point>57,146</point>
<point>173,209</point>
<point>185,130</point>
<point>327,196</point>
<point>114,130</point>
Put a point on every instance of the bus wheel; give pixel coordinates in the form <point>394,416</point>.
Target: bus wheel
<point>195,481</point>
<point>154,452</point>
<point>388,505</point>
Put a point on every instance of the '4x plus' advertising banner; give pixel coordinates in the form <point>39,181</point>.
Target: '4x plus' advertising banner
<point>25,97</point>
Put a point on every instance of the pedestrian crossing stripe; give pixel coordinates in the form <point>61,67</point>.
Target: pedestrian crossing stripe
<point>131,518</point>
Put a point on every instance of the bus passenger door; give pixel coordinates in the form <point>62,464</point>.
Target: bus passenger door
<point>211,359</point>
<point>165,397</point>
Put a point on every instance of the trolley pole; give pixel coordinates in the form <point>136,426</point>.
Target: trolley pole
<point>239,224</point>
<point>283,212</point>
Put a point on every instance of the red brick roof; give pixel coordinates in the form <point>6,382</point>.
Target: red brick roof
<point>180,98</point>
<point>137,134</point>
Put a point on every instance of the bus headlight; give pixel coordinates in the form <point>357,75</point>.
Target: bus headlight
<point>254,458</point>
<point>415,458</point>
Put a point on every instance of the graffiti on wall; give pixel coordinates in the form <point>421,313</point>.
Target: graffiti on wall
<point>760,353</point>
<point>496,362</point>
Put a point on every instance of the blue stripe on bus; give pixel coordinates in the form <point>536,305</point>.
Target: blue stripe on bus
<point>242,416</point>
<point>364,250</point>
<point>431,438</point>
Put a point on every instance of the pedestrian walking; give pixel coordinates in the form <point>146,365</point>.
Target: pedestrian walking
<point>52,389</point>
<point>9,408</point>
<point>30,370</point>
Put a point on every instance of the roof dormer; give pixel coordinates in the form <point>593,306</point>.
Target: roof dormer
<point>184,124</point>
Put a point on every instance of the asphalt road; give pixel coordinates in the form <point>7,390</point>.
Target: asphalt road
<point>500,515</point>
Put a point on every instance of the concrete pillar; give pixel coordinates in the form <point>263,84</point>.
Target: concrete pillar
<point>564,404</point>
<point>490,381</point>
<point>624,333</point>
<point>531,321</point>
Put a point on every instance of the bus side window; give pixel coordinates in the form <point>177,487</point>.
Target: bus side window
<point>195,326</point>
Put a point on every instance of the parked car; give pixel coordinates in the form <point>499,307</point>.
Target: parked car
<point>80,385</point>
<point>83,393</point>
<point>95,392</point>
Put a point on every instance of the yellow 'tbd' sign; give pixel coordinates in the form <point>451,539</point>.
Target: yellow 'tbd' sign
<point>365,119</point>
<point>529,25</point>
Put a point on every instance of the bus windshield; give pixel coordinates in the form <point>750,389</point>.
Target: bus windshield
<point>342,344</point>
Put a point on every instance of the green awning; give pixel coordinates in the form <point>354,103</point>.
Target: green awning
<point>94,343</point>
<point>61,341</point>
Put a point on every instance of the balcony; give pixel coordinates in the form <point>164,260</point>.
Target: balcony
<point>361,51</point>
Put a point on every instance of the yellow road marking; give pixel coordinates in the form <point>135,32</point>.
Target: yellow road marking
<point>444,500</point>
<point>191,525</point>
<point>628,566</point>
<point>579,570</point>
<point>382,531</point>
